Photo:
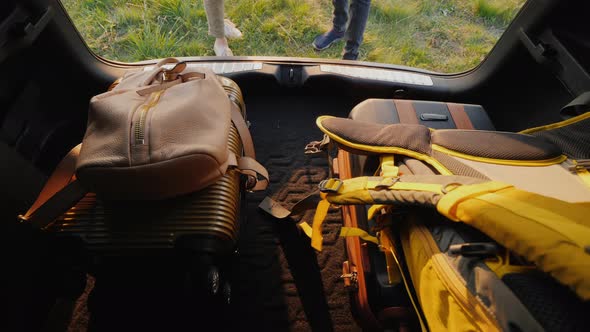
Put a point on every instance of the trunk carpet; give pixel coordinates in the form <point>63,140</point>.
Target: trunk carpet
<point>278,282</point>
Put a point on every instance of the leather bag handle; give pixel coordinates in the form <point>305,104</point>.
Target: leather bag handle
<point>168,77</point>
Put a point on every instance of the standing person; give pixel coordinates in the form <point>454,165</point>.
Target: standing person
<point>220,28</point>
<point>354,13</point>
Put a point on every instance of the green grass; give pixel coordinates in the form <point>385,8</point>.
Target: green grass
<point>499,12</point>
<point>438,35</point>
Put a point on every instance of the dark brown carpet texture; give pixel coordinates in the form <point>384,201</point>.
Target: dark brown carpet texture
<point>279,283</point>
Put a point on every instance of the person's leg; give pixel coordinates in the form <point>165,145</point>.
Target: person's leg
<point>214,11</point>
<point>338,30</point>
<point>340,15</point>
<point>359,14</point>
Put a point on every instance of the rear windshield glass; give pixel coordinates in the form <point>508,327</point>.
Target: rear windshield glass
<point>441,35</point>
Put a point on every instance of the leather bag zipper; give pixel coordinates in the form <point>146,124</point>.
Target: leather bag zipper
<point>141,123</point>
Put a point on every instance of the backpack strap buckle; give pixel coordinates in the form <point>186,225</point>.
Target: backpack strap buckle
<point>330,185</point>
<point>317,146</point>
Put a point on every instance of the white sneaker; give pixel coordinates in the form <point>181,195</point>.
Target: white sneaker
<point>230,30</point>
<point>222,50</point>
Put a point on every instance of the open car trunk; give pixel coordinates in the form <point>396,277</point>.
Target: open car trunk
<point>279,283</point>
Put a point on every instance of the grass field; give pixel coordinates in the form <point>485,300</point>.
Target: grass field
<point>439,35</point>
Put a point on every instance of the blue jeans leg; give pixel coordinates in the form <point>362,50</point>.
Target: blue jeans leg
<point>340,15</point>
<point>359,14</point>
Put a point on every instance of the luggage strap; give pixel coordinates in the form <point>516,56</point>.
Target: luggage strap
<point>60,192</point>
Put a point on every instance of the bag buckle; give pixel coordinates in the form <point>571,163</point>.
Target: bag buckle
<point>317,146</point>
<point>330,185</point>
<point>313,147</point>
<point>251,182</point>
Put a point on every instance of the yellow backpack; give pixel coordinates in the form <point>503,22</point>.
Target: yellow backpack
<point>528,192</point>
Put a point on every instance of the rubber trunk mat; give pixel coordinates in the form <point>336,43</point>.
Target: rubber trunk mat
<point>278,282</point>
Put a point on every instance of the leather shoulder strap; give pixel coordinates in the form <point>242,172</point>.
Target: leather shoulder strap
<point>60,192</point>
<point>257,175</point>
<point>243,131</point>
<point>248,164</point>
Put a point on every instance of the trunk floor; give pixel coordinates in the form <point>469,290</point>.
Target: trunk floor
<point>279,282</point>
<point>302,290</point>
